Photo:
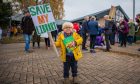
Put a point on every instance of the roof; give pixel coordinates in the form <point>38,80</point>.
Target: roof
<point>101,14</point>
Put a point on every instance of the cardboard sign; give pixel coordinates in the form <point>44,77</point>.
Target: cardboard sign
<point>43,18</point>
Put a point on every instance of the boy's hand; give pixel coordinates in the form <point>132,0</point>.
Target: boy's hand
<point>72,44</point>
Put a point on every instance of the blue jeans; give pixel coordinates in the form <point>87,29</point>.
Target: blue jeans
<point>27,39</point>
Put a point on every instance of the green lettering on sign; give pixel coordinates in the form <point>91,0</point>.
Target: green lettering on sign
<point>46,27</point>
<point>38,11</point>
<point>43,9</point>
<point>48,9</point>
<point>32,11</point>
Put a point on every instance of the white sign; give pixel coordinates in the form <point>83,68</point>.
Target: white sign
<point>43,18</point>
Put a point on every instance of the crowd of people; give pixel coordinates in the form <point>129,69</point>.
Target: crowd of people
<point>107,34</point>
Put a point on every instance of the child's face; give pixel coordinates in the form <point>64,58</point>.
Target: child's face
<point>68,29</point>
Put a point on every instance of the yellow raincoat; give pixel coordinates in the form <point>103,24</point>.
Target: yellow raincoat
<point>77,51</point>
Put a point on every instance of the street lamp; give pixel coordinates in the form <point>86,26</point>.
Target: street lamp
<point>133,10</point>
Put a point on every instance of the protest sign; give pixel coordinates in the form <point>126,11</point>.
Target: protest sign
<point>43,18</point>
<point>43,21</point>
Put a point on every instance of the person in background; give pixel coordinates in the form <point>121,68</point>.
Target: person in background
<point>93,32</point>
<point>76,27</point>
<point>138,26</point>
<point>0,33</point>
<point>8,32</point>
<point>124,31</point>
<point>71,52</point>
<point>36,38</point>
<point>117,33</point>
<point>131,32</point>
<point>108,32</point>
<point>47,42</point>
<point>15,30</point>
<point>114,29</point>
<point>54,34</point>
<point>11,31</point>
<point>28,28</point>
<point>99,39</point>
<point>84,32</point>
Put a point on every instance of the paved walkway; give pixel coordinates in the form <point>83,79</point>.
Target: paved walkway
<point>43,67</point>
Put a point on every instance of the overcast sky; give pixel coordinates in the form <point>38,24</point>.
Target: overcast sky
<point>79,8</point>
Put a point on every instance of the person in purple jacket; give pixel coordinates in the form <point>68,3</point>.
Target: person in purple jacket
<point>123,28</point>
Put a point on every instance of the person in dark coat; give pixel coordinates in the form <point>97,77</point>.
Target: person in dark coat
<point>108,32</point>
<point>84,32</point>
<point>36,38</point>
<point>93,32</point>
<point>114,29</point>
<point>27,27</point>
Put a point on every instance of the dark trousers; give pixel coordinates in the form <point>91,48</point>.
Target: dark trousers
<point>112,38</point>
<point>47,42</point>
<point>107,36</point>
<point>92,41</point>
<point>37,43</point>
<point>124,38</point>
<point>130,39</point>
<point>67,66</point>
<point>120,37</point>
<point>70,63</point>
<point>84,41</point>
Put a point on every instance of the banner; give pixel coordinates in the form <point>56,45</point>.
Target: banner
<point>43,18</point>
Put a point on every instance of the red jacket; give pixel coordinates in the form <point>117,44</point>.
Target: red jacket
<point>76,26</point>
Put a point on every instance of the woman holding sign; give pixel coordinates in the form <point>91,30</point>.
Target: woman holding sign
<point>69,42</point>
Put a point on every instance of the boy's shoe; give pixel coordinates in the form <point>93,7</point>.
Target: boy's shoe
<point>75,80</point>
<point>66,81</point>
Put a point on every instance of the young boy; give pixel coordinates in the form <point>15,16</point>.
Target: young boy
<point>69,42</point>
